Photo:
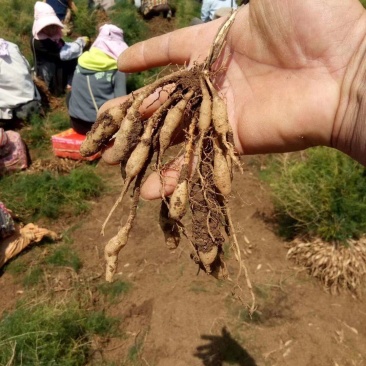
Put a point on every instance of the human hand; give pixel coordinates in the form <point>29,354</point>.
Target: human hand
<point>291,75</point>
<point>85,40</point>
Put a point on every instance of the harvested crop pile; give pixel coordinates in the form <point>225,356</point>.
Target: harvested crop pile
<point>195,109</point>
<point>338,267</point>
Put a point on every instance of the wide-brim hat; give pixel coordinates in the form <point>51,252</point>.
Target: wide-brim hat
<point>110,40</point>
<point>44,15</point>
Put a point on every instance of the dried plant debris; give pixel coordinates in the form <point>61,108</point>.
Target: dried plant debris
<point>338,267</point>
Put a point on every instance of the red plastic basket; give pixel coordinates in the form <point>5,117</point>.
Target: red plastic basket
<point>67,144</point>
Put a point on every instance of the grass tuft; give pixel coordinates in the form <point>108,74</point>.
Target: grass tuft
<point>46,333</point>
<point>320,193</point>
<point>115,289</point>
<point>33,277</point>
<point>63,256</point>
<point>46,194</point>
<point>84,22</point>
<point>125,15</point>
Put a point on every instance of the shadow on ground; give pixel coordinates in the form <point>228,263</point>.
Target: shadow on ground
<point>223,348</point>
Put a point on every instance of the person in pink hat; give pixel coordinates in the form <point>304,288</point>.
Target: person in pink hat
<point>96,78</point>
<point>55,60</point>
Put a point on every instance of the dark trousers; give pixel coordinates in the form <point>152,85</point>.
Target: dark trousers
<point>80,126</point>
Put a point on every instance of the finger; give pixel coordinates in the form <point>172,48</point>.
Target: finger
<point>170,49</point>
<point>150,104</point>
<point>147,107</point>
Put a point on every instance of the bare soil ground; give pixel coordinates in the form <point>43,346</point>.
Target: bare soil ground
<point>176,315</point>
<point>179,316</point>
<point>183,317</point>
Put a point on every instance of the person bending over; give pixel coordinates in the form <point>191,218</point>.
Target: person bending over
<point>55,60</point>
<point>96,78</point>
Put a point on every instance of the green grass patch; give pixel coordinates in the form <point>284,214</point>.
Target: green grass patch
<point>320,193</point>
<point>39,130</point>
<point>16,267</point>
<point>33,277</point>
<point>16,21</point>
<point>49,333</point>
<point>46,194</point>
<point>114,290</point>
<point>134,353</point>
<point>85,20</point>
<point>64,256</point>
<point>30,271</point>
<point>186,11</point>
<point>58,121</point>
<point>125,15</point>
<point>35,134</point>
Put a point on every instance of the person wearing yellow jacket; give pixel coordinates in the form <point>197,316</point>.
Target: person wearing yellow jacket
<point>96,78</point>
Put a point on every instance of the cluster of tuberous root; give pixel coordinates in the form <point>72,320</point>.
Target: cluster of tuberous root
<point>195,109</point>
<point>338,267</point>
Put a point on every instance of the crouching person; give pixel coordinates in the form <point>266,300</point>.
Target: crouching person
<point>13,152</point>
<point>96,78</point>
<point>19,97</point>
<point>55,60</point>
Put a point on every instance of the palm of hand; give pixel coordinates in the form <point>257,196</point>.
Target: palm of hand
<point>285,65</point>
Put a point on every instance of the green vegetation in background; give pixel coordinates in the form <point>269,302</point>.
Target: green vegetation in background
<point>38,130</point>
<point>85,20</point>
<point>32,270</point>
<point>322,194</point>
<point>33,276</point>
<point>186,11</point>
<point>125,15</point>
<point>48,333</point>
<point>35,135</point>
<point>57,121</point>
<point>46,194</point>
<point>16,21</point>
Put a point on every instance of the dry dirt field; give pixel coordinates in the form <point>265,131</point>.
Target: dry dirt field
<point>186,318</point>
<point>182,317</point>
